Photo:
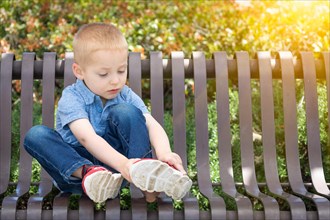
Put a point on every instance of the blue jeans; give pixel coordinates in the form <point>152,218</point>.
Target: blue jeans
<point>126,132</point>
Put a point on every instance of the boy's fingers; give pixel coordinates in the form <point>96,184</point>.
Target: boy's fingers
<point>174,160</point>
<point>180,168</point>
<point>177,163</point>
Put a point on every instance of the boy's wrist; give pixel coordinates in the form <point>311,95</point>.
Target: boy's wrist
<point>121,165</point>
<point>163,154</point>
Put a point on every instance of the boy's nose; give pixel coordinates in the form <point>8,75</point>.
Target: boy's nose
<point>114,80</point>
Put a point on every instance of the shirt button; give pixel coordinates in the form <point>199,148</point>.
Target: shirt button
<point>99,110</point>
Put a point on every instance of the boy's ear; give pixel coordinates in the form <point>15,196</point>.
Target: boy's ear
<point>77,71</point>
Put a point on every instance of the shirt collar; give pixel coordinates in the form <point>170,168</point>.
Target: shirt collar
<point>87,94</point>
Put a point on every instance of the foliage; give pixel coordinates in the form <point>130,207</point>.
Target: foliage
<point>38,25</point>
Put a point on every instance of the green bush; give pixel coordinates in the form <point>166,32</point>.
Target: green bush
<point>38,25</point>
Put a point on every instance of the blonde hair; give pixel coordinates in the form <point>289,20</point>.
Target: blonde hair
<point>96,36</point>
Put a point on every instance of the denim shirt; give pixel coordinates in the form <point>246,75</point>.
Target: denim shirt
<point>78,102</point>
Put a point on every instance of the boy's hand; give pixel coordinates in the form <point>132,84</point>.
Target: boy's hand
<point>125,169</point>
<point>174,160</point>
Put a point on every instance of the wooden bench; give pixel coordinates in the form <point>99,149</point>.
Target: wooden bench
<point>241,69</point>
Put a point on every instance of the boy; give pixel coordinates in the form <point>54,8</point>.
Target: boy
<point>103,127</point>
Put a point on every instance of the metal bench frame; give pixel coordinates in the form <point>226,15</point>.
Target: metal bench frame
<point>241,68</point>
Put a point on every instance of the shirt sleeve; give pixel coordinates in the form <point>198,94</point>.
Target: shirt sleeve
<point>135,100</point>
<point>71,107</point>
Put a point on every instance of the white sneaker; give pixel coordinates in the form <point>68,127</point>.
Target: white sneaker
<point>154,175</point>
<point>99,184</point>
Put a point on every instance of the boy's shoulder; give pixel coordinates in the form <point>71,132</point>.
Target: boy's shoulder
<point>71,91</point>
<point>77,92</point>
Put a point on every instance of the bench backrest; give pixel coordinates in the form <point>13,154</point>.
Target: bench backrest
<point>220,67</point>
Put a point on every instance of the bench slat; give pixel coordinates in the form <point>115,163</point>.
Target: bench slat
<point>9,203</point>
<point>179,106</point>
<point>217,204</point>
<point>245,122</point>
<point>243,203</point>
<point>26,120</point>
<point>134,68</point>
<point>48,102</point>
<point>48,89</point>
<point>165,205</point>
<point>139,206</point>
<point>138,203</point>
<point>34,208</point>
<point>112,210</point>
<point>156,89</point>
<point>61,206</point>
<point>86,208</point>
<point>291,138</point>
<point>5,119</point>
<point>290,122</point>
<point>69,77</point>
<point>313,125</point>
<point>297,206</point>
<point>61,201</point>
<point>202,151</point>
<point>191,208</point>
<point>156,86</point>
<point>326,59</point>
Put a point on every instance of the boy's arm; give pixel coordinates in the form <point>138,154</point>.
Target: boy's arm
<point>99,148</point>
<point>159,140</point>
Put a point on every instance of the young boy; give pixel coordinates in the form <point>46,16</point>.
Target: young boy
<point>103,128</point>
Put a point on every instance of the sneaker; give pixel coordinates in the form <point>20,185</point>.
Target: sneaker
<point>156,176</point>
<point>99,184</point>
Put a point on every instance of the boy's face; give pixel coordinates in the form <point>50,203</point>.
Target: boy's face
<point>105,74</point>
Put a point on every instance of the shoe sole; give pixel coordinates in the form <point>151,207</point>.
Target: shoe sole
<point>101,185</point>
<point>154,175</point>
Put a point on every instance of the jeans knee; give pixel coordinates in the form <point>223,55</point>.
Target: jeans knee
<point>34,134</point>
<point>124,113</point>
<point>128,131</point>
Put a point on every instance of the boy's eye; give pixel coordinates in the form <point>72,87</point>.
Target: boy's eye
<point>103,74</point>
<point>120,71</point>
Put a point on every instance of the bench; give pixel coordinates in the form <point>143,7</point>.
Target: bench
<point>225,72</point>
